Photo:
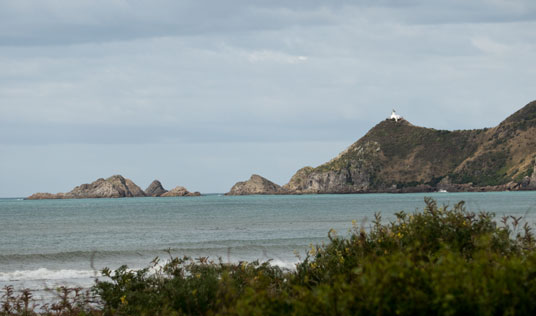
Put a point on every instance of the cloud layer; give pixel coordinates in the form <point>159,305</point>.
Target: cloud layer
<point>135,73</point>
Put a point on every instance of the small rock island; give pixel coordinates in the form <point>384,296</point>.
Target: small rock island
<point>255,185</point>
<point>180,191</point>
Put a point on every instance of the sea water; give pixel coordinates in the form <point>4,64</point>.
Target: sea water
<point>48,243</point>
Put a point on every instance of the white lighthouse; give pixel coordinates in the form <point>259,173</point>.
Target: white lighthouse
<point>395,116</point>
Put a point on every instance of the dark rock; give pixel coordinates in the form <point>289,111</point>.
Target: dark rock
<point>155,189</point>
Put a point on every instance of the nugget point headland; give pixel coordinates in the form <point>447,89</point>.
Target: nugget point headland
<point>395,156</point>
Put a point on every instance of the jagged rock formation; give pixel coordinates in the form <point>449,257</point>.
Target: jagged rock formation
<point>155,189</point>
<point>255,185</point>
<point>114,187</point>
<point>396,156</point>
<point>180,191</point>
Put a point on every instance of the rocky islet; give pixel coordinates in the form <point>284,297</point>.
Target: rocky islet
<point>155,189</point>
<point>114,187</point>
<point>255,185</point>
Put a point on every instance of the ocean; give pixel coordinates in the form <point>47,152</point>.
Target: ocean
<point>48,243</point>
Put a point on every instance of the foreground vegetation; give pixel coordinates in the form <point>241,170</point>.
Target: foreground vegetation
<point>439,261</point>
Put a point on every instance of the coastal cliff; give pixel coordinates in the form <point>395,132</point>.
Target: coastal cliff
<point>396,156</point>
<point>255,185</point>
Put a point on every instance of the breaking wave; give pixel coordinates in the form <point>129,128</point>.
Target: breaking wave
<point>44,274</point>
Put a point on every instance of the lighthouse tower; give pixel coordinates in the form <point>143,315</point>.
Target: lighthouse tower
<point>395,116</point>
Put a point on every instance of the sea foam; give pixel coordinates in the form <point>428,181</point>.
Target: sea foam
<point>46,274</point>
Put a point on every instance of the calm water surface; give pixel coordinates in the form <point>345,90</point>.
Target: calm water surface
<point>47,243</point>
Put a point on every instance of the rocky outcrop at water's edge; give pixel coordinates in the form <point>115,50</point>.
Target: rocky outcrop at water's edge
<point>180,191</point>
<point>155,189</point>
<point>255,185</point>
<point>114,187</point>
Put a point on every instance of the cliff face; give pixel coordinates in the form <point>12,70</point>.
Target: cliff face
<point>338,176</point>
<point>400,157</point>
<point>114,187</point>
<point>255,185</point>
<point>155,189</point>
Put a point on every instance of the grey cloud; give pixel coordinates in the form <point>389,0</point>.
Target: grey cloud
<point>460,11</point>
<point>205,91</point>
<point>46,22</point>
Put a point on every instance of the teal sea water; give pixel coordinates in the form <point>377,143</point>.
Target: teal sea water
<point>47,243</point>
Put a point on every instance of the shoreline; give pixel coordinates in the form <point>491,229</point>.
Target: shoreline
<point>406,190</point>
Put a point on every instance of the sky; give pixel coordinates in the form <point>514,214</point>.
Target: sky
<point>203,94</point>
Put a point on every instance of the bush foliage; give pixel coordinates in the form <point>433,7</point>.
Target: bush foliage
<point>439,261</point>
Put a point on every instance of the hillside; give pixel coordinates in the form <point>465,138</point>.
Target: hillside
<point>396,156</point>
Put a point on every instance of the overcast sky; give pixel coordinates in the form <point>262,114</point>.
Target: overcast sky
<point>204,93</point>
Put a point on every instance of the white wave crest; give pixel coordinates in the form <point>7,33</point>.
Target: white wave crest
<point>291,265</point>
<point>46,274</point>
